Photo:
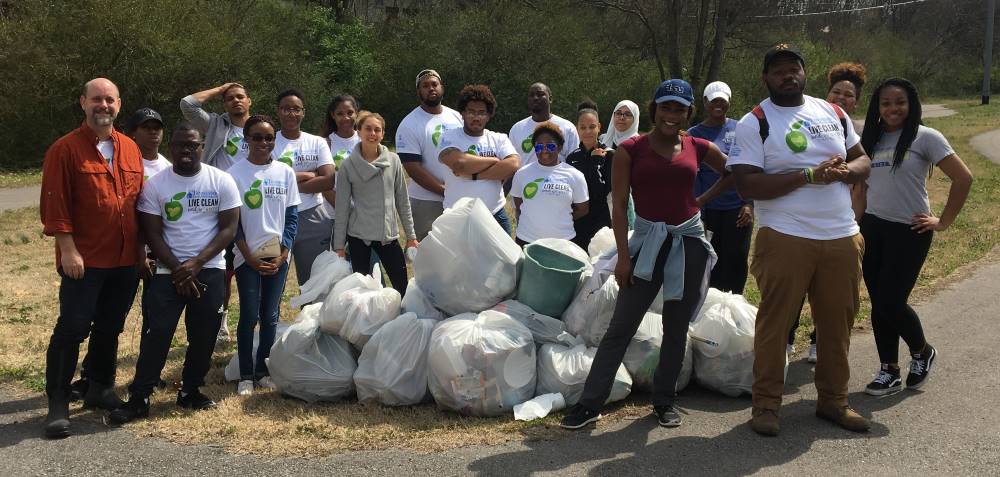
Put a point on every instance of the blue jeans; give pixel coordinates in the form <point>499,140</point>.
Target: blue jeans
<point>260,297</point>
<point>503,220</point>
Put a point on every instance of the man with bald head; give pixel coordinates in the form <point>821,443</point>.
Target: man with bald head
<point>540,107</point>
<point>91,180</point>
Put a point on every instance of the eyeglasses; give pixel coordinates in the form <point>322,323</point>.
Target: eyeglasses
<point>623,114</point>
<point>260,137</point>
<point>187,145</point>
<point>550,147</point>
<point>481,114</point>
<point>292,110</point>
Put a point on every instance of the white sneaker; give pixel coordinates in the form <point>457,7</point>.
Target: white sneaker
<point>812,353</point>
<point>244,388</point>
<point>266,382</point>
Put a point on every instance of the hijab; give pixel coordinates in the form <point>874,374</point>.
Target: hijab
<point>613,137</point>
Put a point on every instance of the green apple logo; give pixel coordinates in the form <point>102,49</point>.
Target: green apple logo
<point>174,209</point>
<point>526,143</point>
<point>288,158</point>
<point>436,135</point>
<point>233,145</point>
<point>341,155</point>
<point>796,139</point>
<point>253,198</point>
<point>472,150</point>
<point>531,188</point>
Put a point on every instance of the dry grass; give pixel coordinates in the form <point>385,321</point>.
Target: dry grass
<point>268,424</point>
<point>20,178</point>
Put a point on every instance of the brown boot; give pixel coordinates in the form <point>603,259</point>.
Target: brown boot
<point>843,416</point>
<point>765,421</point>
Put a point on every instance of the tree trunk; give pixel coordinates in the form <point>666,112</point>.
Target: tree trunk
<point>719,43</point>
<point>674,8</point>
<point>698,61</point>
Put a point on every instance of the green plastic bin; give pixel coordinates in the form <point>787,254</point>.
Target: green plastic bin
<point>548,280</point>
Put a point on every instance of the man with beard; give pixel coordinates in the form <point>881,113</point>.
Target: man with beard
<point>796,156</point>
<point>540,106</point>
<point>188,214</point>
<point>417,139</point>
<point>91,180</point>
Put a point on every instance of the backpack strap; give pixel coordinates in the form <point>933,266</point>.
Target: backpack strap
<point>765,128</point>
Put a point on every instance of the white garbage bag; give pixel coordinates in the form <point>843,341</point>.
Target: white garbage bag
<point>643,355</point>
<point>603,241</point>
<point>392,368</point>
<point>331,317</point>
<point>415,301</point>
<point>539,407</point>
<point>564,369</point>
<point>467,263</point>
<point>327,269</point>
<point>544,328</point>
<point>481,365</point>
<point>232,371</point>
<point>590,313</point>
<point>311,365</point>
<point>722,337</point>
<point>358,313</point>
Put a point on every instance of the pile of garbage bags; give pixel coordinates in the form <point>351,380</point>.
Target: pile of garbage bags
<point>309,364</point>
<point>392,369</point>
<point>564,369</point>
<point>722,339</point>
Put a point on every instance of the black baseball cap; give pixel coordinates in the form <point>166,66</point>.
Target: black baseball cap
<point>141,116</point>
<point>782,49</point>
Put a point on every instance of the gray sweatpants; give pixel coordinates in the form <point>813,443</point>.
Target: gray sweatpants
<point>314,237</point>
<point>633,302</point>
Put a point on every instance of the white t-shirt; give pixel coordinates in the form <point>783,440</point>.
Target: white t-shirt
<point>151,168</point>
<point>490,144</point>
<point>341,148</point>
<point>799,137</point>
<point>420,133</point>
<point>897,195</point>
<point>547,194</point>
<point>234,150</point>
<point>107,150</point>
<point>267,191</point>
<point>305,154</point>
<point>190,207</point>
<point>522,131</point>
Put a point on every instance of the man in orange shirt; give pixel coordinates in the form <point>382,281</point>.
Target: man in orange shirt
<point>91,180</point>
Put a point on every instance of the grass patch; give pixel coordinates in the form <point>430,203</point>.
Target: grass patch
<point>268,424</point>
<point>30,177</point>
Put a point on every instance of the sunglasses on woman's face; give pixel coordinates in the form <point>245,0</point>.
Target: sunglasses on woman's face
<point>261,137</point>
<point>550,147</point>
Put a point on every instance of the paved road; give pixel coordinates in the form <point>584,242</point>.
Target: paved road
<point>988,144</point>
<point>19,197</point>
<point>951,427</point>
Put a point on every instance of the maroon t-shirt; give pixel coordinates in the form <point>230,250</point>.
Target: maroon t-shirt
<point>662,188</point>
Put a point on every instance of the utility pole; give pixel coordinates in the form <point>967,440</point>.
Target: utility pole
<point>988,49</point>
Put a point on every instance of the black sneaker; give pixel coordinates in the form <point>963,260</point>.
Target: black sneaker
<point>920,367</point>
<point>886,381</point>
<point>135,408</point>
<point>579,416</point>
<point>194,400</point>
<point>667,415</point>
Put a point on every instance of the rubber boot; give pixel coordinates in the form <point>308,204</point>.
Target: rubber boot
<point>57,422</point>
<point>100,396</point>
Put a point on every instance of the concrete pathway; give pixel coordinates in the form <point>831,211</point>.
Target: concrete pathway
<point>988,144</point>
<point>19,197</point>
<point>935,111</point>
<point>950,427</point>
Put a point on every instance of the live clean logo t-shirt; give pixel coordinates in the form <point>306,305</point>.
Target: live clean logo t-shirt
<point>152,168</point>
<point>341,147</point>
<point>490,144</point>
<point>799,137</point>
<point>266,191</point>
<point>189,207</point>
<point>547,195</point>
<point>305,154</point>
<point>522,131</point>
<point>420,133</point>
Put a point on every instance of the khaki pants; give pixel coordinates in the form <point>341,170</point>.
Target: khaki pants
<point>787,268</point>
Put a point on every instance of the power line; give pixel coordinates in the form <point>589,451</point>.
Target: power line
<point>889,4</point>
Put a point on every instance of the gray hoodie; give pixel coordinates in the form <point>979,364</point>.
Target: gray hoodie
<point>215,128</point>
<point>370,198</point>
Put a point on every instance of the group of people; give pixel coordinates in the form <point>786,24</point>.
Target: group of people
<point>242,194</point>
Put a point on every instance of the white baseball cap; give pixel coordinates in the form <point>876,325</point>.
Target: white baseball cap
<point>717,89</point>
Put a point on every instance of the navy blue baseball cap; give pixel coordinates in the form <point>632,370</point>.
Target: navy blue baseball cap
<point>141,116</point>
<point>674,90</point>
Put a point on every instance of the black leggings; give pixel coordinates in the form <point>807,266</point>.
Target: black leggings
<point>633,302</point>
<point>390,254</point>
<point>894,255</point>
<point>732,244</point>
